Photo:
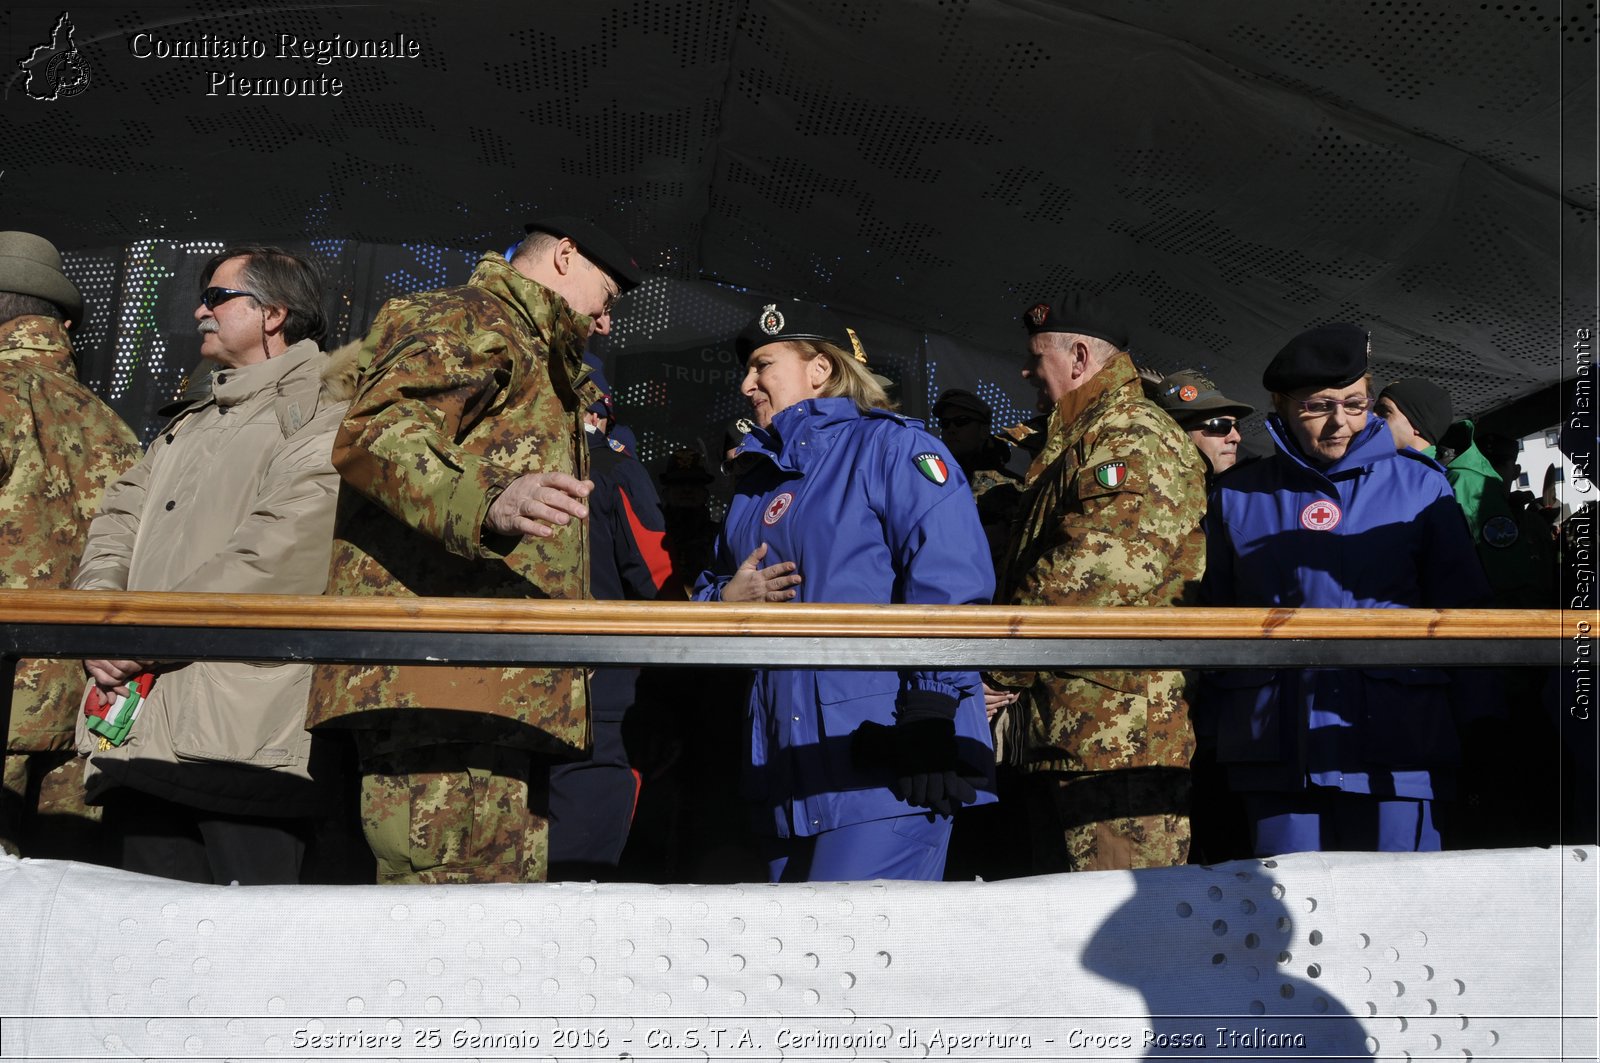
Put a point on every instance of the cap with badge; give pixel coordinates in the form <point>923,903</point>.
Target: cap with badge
<point>1425,404</point>
<point>1328,356</point>
<point>1080,313</point>
<point>792,319</point>
<point>31,265</point>
<point>1192,399</point>
<point>595,244</point>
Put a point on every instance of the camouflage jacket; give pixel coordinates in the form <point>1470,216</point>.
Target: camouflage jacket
<point>1110,515</point>
<point>59,448</point>
<point>462,391</point>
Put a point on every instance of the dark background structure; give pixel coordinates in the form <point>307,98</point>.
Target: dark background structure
<point>1227,173</point>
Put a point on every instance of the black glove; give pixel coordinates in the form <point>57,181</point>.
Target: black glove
<point>919,752</point>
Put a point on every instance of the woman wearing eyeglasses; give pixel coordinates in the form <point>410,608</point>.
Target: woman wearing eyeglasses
<point>854,774</point>
<point>1333,759</point>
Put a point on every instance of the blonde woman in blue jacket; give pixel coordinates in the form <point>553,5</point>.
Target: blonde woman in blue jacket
<point>854,774</point>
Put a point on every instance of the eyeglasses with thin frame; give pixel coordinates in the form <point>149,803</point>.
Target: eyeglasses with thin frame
<point>212,298</point>
<point>1219,426</point>
<point>1353,406</point>
<point>613,292</point>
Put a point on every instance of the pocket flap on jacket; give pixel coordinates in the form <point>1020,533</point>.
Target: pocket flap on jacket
<point>847,686</point>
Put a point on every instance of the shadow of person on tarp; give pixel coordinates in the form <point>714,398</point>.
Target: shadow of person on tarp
<point>1225,967</point>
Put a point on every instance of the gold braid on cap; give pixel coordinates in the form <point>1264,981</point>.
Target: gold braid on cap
<point>855,345</point>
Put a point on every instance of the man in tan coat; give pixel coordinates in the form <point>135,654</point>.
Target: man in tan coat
<point>215,783</point>
<point>59,448</point>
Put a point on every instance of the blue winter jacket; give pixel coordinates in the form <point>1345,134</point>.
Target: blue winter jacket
<point>871,508</point>
<point>1375,530</point>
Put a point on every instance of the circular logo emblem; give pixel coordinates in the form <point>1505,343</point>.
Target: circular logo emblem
<point>1188,393</point>
<point>1320,515</point>
<point>771,320</point>
<point>67,75</point>
<point>1500,531</point>
<point>777,508</point>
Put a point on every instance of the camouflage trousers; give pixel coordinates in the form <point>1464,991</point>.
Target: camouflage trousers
<point>456,813</point>
<point>1108,820</point>
<point>42,808</point>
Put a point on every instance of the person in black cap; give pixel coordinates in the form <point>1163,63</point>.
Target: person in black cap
<point>464,473</point>
<point>592,801</point>
<point>1209,417</point>
<point>847,501</point>
<point>1417,412</point>
<point>1338,517</point>
<point>964,422</point>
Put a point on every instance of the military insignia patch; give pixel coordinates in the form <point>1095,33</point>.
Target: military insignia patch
<point>1501,531</point>
<point>933,467</point>
<point>1039,314</point>
<point>1111,474</point>
<point>1320,515</point>
<point>745,425</point>
<point>616,445</point>
<point>1188,393</point>
<point>771,319</point>
<point>777,508</point>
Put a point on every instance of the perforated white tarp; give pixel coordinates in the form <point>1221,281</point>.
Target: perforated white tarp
<point>1479,955</point>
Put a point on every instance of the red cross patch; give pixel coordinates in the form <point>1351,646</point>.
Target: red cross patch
<point>777,508</point>
<point>1320,515</point>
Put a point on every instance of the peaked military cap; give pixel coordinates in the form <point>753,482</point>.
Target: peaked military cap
<point>791,319</point>
<point>1328,356</point>
<point>1077,312</point>
<point>1192,398</point>
<point>597,245</point>
<point>606,407</point>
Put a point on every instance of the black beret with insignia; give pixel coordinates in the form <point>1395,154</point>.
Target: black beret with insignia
<point>1328,356</point>
<point>791,319</point>
<point>1078,313</point>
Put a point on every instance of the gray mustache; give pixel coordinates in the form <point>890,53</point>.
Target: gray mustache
<point>208,325</point>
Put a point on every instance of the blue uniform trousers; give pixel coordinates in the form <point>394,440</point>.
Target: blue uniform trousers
<point>905,847</point>
<point>1326,820</point>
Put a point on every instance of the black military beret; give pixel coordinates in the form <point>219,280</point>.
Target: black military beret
<point>1425,404</point>
<point>958,401</point>
<point>1328,356</point>
<point>595,244</point>
<point>1080,313</point>
<point>791,319</point>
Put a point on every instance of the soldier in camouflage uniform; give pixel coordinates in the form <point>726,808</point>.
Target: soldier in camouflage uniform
<point>1110,515</point>
<point>59,448</point>
<point>463,458</point>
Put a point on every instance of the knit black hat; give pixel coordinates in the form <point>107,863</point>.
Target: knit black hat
<point>957,400</point>
<point>1080,313</point>
<point>595,244</point>
<point>1425,404</point>
<point>1328,356</point>
<point>791,319</point>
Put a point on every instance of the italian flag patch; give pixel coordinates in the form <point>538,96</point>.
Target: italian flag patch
<point>933,467</point>
<point>1111,474</point>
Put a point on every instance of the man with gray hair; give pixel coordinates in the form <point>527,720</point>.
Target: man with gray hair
<point>59,448</point>
<point>1110,515</point>
<point>216,781</point>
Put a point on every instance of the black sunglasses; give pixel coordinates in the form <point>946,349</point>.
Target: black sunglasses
<point>956,422</point>
<point>1219,426</point>
<point>212,298</point>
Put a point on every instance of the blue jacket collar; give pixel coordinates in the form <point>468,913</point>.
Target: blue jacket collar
<point>799,431</point>
<point>1374,443</point>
